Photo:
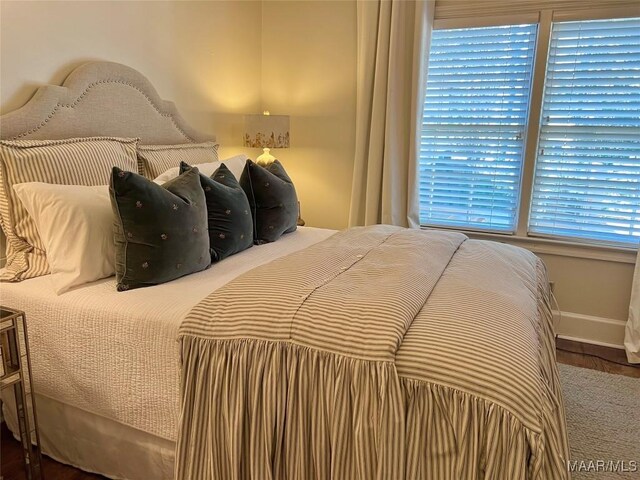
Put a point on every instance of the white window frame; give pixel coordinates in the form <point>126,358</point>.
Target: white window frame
<point>544,19</point>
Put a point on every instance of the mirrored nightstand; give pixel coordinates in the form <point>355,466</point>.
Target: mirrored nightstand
<point>15,373</point>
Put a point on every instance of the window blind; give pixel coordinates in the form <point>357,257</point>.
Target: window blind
<point>473,127</point>
<point>587,179</point>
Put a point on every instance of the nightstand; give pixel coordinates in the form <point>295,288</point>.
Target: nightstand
<point>15,373</point>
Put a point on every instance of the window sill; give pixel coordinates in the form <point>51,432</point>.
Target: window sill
<point>557,247</point>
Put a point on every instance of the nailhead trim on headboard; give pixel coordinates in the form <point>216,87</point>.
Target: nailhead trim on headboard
<point>86,90</point>
<point>153,120</point>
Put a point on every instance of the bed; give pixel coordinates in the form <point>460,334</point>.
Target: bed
<point>370,353</point>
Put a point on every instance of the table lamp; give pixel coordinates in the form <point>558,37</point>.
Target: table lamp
<point>266,131</point>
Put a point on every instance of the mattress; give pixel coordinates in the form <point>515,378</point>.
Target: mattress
<point>115,355</point>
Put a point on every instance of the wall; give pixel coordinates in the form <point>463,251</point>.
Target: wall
<point>205,56</point>
<point>593,295</point>
<point>309,72</point>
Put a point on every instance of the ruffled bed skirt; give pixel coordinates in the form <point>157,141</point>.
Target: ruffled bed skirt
<point>263,410</point>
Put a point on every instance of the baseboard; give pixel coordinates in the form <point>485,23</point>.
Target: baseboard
<point>607,332</point>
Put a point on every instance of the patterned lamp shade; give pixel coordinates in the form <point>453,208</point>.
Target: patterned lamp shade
<point>270,131</point>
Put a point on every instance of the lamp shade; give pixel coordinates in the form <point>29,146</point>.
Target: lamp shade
<point>266,131</point>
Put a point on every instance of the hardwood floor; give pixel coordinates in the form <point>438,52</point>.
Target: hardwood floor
<point>595,357</point>
<point>11,467</point>
<point>605,359</point>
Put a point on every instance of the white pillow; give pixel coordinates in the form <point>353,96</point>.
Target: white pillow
<point>76,226</point>
<point>235,164</point>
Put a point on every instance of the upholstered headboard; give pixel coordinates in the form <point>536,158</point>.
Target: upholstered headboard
<point>100,99</point>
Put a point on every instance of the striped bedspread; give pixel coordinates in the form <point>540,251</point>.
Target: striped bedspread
<point>379,353</point>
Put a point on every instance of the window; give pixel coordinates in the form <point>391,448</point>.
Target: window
<point>474,123</point>
<point>478,142</point>
<point>587,179</point>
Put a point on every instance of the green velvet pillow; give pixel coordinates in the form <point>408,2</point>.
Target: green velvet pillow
<point>160,231</point>
<point>228,212</point>
<point>273,200</point>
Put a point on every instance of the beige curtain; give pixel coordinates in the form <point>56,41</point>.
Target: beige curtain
<point>632,331</point>
<point>393,46</point>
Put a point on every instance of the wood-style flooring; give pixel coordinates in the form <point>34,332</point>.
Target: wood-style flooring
<point>595,357</point>
<point>583,355</point>
<point>11,467</point>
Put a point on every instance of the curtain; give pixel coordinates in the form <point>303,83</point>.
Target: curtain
<point>632,330</point>
<point>393,47</point>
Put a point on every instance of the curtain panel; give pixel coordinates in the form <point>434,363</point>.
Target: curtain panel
<point>632,330</point>
<point>393,48</point>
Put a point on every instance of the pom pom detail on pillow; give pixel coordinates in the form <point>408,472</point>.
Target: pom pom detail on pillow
<point>273,200</point>
<point>160,231</point>
<point>228,212</point>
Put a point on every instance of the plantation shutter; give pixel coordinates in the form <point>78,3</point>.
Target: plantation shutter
<point>587,179</point>
<point>474,124</point>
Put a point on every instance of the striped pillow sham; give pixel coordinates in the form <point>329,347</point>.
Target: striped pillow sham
<point>76,161</point>
<point>154,160</point>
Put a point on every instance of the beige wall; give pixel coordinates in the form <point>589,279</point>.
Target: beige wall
<point>205,56</point>
<point>591,287</point>
<point>309,72</point>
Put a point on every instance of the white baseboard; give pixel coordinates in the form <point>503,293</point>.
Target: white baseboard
<point>607,332</point>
